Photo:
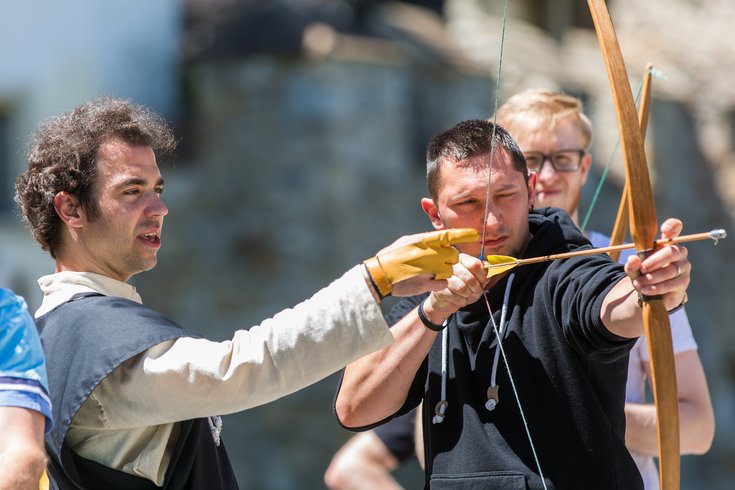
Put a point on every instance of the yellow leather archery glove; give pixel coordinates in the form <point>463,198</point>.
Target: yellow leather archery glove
<point>424,253</point>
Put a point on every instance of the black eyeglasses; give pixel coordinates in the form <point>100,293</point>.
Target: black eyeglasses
<point>561,160</point>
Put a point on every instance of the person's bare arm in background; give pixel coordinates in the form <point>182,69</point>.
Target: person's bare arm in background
<point>22,456</point>
<point>696,418</point>
<point>363,463</point>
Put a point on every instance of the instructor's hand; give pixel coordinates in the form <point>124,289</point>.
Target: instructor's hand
<point>417,263</point>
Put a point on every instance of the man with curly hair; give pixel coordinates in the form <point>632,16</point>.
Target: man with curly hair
<point>136,397</point>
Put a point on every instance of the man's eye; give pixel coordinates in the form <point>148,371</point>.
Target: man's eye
<point>131,192</point>
<point>158,190</point>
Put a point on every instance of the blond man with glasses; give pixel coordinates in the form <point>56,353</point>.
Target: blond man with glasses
<point>554,135</point>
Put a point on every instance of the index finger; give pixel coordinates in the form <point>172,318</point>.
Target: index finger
<point>663,256</point>
<point>475,266</point>
<point>452,236</point>
<point>671,228</point>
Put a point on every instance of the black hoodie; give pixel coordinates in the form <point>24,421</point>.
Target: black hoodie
<point>569,371</point>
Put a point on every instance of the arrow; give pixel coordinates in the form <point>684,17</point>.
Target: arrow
<point>498,264</point>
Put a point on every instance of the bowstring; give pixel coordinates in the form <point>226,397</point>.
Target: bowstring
<point>515,391</point>
<point>498,84</point>
<point>484,232</point>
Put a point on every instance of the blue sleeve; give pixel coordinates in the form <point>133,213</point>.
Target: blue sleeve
<point>23,393</point>
<point>22,369</point>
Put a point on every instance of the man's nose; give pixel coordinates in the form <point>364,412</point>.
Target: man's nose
<point>492,219</point>
<point>546,171</point>
<point>156,207</point>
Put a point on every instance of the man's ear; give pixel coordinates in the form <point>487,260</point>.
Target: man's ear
<point>69,210</point>
<point>432,211</point>
<point>585,166</point>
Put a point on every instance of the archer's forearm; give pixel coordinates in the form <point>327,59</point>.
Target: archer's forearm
<point>621,312</point>
<point>375,386</point>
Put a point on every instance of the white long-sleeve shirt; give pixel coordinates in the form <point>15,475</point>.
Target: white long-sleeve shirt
<point>129,422</point>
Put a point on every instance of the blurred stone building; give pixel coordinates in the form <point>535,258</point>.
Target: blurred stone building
<point>303,126</point>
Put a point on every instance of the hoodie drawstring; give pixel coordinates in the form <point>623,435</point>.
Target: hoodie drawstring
<point>492,391</point>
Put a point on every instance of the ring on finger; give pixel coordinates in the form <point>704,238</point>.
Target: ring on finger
<point>678,271</point>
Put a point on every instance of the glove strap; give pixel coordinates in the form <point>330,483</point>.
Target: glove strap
<point>378,277</point>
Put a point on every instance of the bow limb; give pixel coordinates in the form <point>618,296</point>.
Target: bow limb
<point>621,221</point>
<point>643,228</point>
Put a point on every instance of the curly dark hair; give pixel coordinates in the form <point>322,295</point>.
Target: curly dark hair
<point>62,158</point>
<point>466,140</point>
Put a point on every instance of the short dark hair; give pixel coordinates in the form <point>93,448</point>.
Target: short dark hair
<point>63,153</point>
<point>466,140</point>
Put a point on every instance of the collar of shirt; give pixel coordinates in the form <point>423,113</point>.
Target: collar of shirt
<point>58,288</point>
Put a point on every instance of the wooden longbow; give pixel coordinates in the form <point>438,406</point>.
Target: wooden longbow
<point>643,229</point>
<point>621,221</point>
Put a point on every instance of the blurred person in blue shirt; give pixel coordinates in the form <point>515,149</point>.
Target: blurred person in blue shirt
<point>25,407</point>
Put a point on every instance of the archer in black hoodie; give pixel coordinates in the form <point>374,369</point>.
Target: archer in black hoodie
<point>565,327</point>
